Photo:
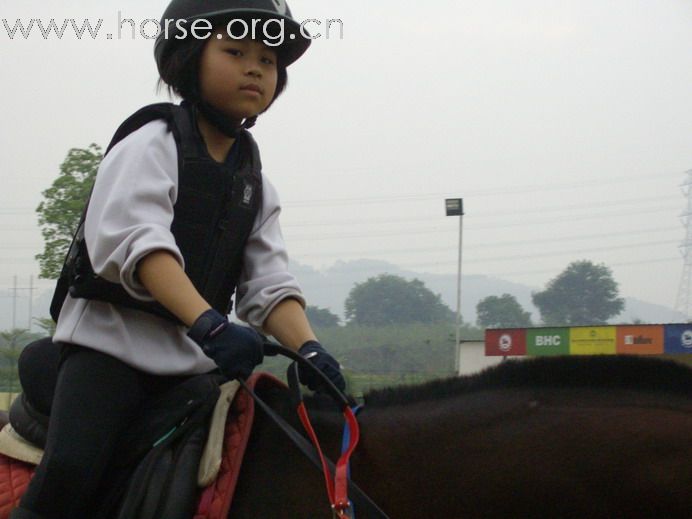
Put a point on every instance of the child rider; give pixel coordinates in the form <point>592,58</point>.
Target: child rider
<point>115,352</point>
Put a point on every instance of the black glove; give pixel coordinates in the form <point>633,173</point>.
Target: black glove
<point>235,349</point>
<point>315,353</point>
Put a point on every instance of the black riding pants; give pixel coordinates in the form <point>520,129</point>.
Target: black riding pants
<point>91,397</point>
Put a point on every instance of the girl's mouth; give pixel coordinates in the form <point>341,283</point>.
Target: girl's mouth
<point>251,88</point>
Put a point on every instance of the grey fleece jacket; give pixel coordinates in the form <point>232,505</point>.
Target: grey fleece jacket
<point>130,216</point>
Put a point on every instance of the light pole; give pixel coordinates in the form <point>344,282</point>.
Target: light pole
<point>455,207</point>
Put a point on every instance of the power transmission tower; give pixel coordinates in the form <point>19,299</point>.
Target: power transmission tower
<point>684,299</point>
<point>15,298</point>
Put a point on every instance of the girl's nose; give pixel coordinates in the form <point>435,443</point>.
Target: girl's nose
<point>253,69</point>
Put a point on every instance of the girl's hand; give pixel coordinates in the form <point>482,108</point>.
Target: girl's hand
<point>235,349</point>
<point>315,353</point>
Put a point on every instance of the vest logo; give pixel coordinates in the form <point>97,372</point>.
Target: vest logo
<point>631,340</point>
<point>548,340</point>
<point>686,338</point>
<point>280,6</point>
<point>505,342</point>
<point>247,195</point>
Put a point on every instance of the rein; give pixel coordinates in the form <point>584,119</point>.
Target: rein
<point>336,476</point>
<point>336,485</point>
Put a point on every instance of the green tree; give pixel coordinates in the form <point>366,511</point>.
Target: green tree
<point>46,324</point>
<point>501,312</point>
<point>388,299</point>
<point>321,317</point>
<point>584,293</point>
<point>61,208</point>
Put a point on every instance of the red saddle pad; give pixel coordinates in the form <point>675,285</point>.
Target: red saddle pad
<point>215,500</point>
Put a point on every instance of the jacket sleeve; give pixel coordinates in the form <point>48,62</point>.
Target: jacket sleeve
<point>265,280</point>
<point>131,207</point>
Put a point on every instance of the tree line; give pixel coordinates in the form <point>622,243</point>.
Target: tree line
<point>584,293</point>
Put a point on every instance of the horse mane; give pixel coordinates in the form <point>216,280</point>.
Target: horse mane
<point>605,371</point>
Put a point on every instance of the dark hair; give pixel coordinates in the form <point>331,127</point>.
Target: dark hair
<point>179,71</point>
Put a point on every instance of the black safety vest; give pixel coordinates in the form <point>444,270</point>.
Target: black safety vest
<point>213,217</point>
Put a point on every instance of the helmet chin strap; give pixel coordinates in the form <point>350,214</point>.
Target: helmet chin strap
<point>221,121</point>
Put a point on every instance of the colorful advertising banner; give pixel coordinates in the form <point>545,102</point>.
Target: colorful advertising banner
<point>640,340</point>
<point>547,341</point>
<point>624,339</point>
<point>587,340</point>
<point>505,342</point>
<point>678,338</point>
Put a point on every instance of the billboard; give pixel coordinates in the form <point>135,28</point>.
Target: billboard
<point>639,340</point>
<point>547,341</point>
<point>624,339</point>
<point>505,342</point>
<point>592,340</point>
<point>678,338</point>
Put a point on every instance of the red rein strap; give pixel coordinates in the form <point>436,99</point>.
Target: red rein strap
<point>337,486</point>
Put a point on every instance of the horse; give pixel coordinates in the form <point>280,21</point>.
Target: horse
<point>564,437</point>
<point>572,437</point>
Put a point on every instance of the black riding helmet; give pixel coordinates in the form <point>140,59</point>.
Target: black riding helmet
<point>217,11</point>
<point>184,12</point>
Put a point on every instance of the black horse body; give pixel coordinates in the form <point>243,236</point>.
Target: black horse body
<point>572,437</point>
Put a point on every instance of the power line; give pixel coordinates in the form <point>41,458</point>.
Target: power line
<point>409,249</point>
<point>295,241</point>
<point>563,252</point>
<point>470,193</point>
<point>478,192</point>
<point>492,259</point>
<point>476,216</point>
<point>441,228</point>
<point>14,295</point>
<point>473,248</point>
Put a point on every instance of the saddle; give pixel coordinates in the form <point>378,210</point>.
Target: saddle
<point>218,459</point>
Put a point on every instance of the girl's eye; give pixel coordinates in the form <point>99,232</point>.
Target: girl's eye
<point>268,61</point>
<point>234,52</point>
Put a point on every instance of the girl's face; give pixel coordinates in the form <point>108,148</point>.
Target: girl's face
<point>237,77</point>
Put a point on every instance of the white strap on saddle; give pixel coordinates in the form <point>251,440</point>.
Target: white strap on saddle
<point>210,463</point>
<point>16,447</point>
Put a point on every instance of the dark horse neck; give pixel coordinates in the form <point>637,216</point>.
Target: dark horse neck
<point>531,450</point>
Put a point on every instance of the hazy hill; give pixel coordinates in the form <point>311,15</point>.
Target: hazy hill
<point>329,289</point>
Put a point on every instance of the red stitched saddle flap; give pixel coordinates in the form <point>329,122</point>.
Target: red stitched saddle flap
<point>215,500</point>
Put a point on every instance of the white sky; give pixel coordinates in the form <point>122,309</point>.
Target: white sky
<point>566,126</point>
